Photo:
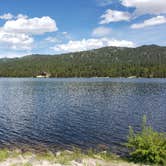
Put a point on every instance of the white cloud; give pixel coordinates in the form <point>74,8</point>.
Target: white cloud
<point>6,16</point>
<point>31,26</point>
<point>17,34</point>
<point>114,16</point>
<point>21,16</point>
<point>13,54</point>
<point>53,39</point>
<point>146,6</point>
<point>83,45</point>
<point>150,22</point>
<point>65,33</point>
<point>16,41</point>
<point>101,31</point>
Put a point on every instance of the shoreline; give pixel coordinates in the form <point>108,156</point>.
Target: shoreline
<point>43,78</point>
<point>75,157</point>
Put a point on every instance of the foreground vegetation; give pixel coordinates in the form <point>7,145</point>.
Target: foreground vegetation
<point>145,61</point>
<point>61,158</point>
<point>147,146</point>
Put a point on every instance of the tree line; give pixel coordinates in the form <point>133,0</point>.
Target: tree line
<point>144,61</point>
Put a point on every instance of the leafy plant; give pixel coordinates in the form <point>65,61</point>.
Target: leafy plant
<point>147,146</point>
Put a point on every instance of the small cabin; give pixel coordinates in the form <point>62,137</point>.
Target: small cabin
<point>43,75</point>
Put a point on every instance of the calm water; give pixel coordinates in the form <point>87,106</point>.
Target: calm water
<point>78,112</point>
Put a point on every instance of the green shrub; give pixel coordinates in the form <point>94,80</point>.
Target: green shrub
<point>147,146</point>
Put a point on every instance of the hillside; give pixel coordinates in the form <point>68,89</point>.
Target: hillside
<point>144,61</point>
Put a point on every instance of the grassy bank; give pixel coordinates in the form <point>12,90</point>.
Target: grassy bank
<point>62,158</point>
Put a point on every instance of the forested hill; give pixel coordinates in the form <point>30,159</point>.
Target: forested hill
<point>145,61</point>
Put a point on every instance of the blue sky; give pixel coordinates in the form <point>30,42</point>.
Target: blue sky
<point>60,26</point>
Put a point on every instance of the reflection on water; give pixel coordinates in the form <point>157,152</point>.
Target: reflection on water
<point>78,112</point>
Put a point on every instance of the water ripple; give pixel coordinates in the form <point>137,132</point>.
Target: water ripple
<point>78,112</point>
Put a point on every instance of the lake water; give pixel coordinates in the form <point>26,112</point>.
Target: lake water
<point>85,113</point>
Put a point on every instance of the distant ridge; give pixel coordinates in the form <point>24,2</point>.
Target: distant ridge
<point>143,61</point>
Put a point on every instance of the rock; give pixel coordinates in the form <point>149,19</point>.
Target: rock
<point>78,160</point>
<point>58,153</point>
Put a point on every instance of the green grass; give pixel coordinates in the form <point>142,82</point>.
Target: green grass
<point>14,153</point>
<point>107,156</point>
<point>27,164</point>
<point>46,156</point>
<point>62,157</point>
<point>4,154</point>
<point>65,157</point>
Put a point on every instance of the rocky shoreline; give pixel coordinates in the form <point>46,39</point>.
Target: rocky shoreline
<point>61,158</point>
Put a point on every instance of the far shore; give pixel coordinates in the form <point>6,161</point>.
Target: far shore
<point>130,77</point>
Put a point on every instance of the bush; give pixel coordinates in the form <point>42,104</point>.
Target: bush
<point>147,146</point>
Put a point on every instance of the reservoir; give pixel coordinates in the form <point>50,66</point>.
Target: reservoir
<point>81,112</point>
